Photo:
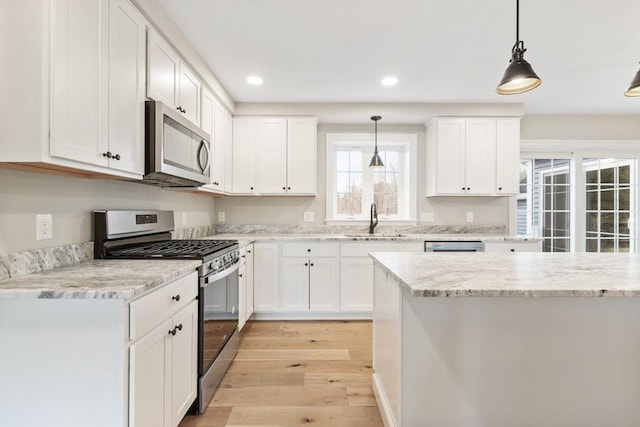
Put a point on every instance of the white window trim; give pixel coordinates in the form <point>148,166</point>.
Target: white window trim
<point>337,139</point>
<point>577,151</point>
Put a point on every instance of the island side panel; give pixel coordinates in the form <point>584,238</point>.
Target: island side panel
<point>510,362</point>
<point>63,362</point>
<point>387,304</point>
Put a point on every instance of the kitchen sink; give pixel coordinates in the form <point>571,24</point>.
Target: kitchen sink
<point>375,235</point>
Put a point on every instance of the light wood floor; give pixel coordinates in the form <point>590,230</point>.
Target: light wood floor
<point>297,373</point>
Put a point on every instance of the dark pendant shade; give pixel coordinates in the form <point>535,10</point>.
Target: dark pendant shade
<point>634,87</point>
<point>519,76</point>
<point>376,161</point>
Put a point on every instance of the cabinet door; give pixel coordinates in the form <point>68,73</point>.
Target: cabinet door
<point>184,370</point>
<point>507,156</point>
<point>450,156</point>
<point>356,284</point>
<point>227,149</point>
<point>266,276</point>
<point>149,379</point>
<point>249,283</point>
<point>127,68</point>
<point>272,152</point>
<point>323,284</point>
<point>512,246</point>
<point>295,284</point>
<point>163,70</point>
<point>301,156</point>
<point>480,157</point>
<point>221,142</point>
<point>189,88</point>
<point>79,65</point>
<point>242,295</point>
<point>244,154</point>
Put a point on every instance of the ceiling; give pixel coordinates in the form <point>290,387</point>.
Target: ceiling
<point>442,51</point>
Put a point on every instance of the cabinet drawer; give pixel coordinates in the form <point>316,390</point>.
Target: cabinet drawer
<point>512,246</point>
<point>150,310</point>
<point>309,249</point>
<point>363,249</point>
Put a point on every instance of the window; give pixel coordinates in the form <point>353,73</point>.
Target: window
<point>579,195</point>
<point>543,206</point>
<point>352,186</point>
<point>609,204</point>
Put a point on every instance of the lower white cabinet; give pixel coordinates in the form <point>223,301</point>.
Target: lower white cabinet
<point>505,246</point>
<point>266,276</point>
<point>245,285</point>
<point>356,271</point>
<point>163,362</point>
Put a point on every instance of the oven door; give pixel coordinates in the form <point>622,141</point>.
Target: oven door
<point>217,335</point>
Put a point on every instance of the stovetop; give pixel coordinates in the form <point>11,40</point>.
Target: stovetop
<point>182,249</point>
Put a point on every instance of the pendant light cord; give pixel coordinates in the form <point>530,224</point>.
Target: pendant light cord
<point>517,21</point>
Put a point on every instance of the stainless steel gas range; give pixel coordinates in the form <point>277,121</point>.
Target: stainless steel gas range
<point>121,234</point>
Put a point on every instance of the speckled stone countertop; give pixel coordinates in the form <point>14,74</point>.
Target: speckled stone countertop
<point>97,279</point>
<point>521,274</point>
<point>365,237</point>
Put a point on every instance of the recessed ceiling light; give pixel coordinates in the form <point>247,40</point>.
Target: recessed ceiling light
<point>389,81</point>
<point>254,80</point>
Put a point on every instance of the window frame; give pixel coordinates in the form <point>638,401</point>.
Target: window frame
<point>576,151</point>
<point>365,141</point>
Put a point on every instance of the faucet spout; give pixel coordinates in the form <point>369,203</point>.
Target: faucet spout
<point>374,216</point>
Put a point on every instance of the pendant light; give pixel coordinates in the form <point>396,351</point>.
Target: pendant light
<point>376,161</point>
<point>519,76</point>
<point>634,87</point>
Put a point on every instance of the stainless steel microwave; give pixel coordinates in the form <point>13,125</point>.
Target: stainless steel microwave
<point>177,152</point>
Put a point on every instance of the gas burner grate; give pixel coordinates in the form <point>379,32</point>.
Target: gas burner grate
<point>173,249</point>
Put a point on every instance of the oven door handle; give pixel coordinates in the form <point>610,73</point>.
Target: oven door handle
<point>207,280</point>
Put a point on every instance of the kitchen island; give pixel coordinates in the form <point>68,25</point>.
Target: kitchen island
<point>524,339</point>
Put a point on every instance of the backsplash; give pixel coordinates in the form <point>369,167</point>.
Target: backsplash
<point>36,260</point>
<point>193,232</point>
<point>343,229</point>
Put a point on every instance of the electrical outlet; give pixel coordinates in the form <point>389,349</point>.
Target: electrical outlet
<point>221,217</point>
<point>44,226</point>
<point>308,217</point>
<point>426,217</point>
<point>469,216</point>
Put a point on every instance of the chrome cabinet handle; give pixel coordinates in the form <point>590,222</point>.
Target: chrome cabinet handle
<point>176,298</point>
<point>202,146</point>
<point>108,155</point>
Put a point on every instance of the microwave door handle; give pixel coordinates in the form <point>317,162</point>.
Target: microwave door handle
<point>203,145</point>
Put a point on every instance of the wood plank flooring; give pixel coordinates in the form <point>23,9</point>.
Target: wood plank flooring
<point>297,373</point>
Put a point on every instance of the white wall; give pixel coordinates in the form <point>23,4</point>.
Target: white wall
<point>289,210</point>
<point>71,201</point>
<point>625,127</point>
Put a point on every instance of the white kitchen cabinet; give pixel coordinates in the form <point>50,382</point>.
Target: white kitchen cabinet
<point>266,277</point>
<point>244,156</point>
<point>245,287</point>
<point>163,362</point>
<point>274,155</point>
<point>309,278</point>
<point>249,282</point>
<point>224,122</point>
<point>472,156</point>
<point>170,80</point>
<point>508,156</point>
<point>506,246</point>
<point>356,272</point>
<point>86,114</point>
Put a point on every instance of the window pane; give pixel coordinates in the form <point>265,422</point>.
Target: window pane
<point>623,224</point>
<point>355,161</point>
<point>607,245</point>
<point>592,222</point>
<point>561,197</point>
<point>624,174</point>
<point>592,197</point>
<point>592,245</point>
<point>592,177</point>
<point>624,245</point>
<point>392,160</point>
<point>624,202</point>
<point>342,182</point>
<point>607,223</point>
<point>342,161</point>
<point>561,224</point>
<point>607,197</point>
<point>607,176</point>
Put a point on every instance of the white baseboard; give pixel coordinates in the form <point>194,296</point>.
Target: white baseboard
<point>311,316</point>
<point>383,403</point>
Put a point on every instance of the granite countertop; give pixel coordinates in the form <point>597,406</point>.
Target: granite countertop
<point>97,279</point>
<point>402,237</point>
<point>523,274</point>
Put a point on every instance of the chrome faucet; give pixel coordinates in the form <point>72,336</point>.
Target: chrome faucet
<point>374,215</point>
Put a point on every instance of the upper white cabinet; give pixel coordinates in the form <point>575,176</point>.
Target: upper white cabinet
<point>472,156</point>
<point>274,156</point>
<point>170,80</point>
<point>80,79</point>
<point>216,121</point>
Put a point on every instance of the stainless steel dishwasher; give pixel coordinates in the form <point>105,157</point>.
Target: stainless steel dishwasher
<point>453,246</point>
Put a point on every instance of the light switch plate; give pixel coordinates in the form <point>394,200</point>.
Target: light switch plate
<point>426,217</point>
<point>469,216</point>
<point>309,217</point>
<point>44,226</point>
<point>221,217</point>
